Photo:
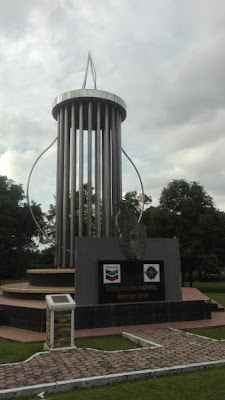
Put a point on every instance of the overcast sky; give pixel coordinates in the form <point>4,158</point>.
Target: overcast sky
<point>164,58</point>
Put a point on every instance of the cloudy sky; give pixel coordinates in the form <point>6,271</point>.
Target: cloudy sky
<point>164,58</point>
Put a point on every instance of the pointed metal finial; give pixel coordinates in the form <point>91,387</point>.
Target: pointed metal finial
<point>93,71</point>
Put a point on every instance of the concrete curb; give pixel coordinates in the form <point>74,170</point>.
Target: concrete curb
<point>106,379</point>
<point>196,334</point>
<point>140,341</point>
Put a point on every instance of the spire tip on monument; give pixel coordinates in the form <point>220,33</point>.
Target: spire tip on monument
<point>93,71</point>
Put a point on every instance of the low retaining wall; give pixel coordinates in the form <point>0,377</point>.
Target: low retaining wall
<point>110,315</point>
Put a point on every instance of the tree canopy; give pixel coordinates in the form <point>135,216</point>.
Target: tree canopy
<point>181,196</point>
<point>17,229</point>
<point>135,200</point>
<point>187,212</point>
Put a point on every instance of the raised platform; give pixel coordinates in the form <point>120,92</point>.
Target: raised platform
<point>123,314</point>
<point>63,277</point>
<point>31,314</point>
<point>42,282</point>
<point>26,291</point>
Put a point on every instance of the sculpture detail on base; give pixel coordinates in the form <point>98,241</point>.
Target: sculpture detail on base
<point>132,234</point>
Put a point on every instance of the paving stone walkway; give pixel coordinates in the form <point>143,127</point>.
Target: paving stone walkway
<point>177,348</point>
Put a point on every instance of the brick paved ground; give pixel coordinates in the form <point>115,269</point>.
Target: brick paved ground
<point>178,348</point>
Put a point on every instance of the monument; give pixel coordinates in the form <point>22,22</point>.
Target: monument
<point>121,277</point>
<point>95,117</point>
<point>114,262</point>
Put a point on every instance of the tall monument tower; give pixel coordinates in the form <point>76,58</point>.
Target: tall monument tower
<point>89,151</point>
<point>117,277</point>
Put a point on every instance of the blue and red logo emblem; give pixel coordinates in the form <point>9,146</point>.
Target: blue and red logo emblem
<point>111,273</point>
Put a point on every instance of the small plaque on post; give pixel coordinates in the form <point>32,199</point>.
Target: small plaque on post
<point>59,321</point>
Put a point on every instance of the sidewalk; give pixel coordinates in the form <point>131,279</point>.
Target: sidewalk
<point>169,351</point>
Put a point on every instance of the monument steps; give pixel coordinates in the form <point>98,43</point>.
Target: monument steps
<point>23,314</point>
<point>31,314</point>
<point>41,282</point>
<point>216,307</point>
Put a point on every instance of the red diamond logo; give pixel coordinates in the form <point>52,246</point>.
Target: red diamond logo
<point>151,272</point>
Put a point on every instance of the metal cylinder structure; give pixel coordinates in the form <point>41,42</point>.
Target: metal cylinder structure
<point>89,167</point>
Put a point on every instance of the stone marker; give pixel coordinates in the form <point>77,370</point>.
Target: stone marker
<point>59,321</point>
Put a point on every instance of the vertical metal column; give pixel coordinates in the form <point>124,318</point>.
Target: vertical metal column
<point>73,149</point>
<point>98,175</point>
<point>89,180</point>
<point>114,171</point>
<point>103,182</point>
<point>66,191</point>
<point>106,173</point>
<point>119,155</point>
<point>60,192</point>
<point>81,169</point>
<point>57,194</point>
<point>110,177</point>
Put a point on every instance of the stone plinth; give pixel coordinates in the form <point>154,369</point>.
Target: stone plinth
<point>62,329</point>
<point>59,321</point>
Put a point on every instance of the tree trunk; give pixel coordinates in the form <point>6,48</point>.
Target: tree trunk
<point>183,275</point>
<point>191,277</point>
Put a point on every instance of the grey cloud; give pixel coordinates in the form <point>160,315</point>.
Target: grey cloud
<point>164,58</point>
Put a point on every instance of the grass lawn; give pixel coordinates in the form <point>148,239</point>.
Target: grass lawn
<point>202,385</point>
<point>14,351</point>
<point>209,287</point>
<point>109,343</point>
<point>214,333</point>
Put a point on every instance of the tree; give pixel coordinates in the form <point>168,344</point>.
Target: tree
<point>181,196</point>
<point>17,229</point>
<point>134,200</point>
<point>159,223</point>
<point>51,214</point>
<point>196,221</point>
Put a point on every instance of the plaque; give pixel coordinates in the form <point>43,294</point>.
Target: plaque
<point>130,281</point>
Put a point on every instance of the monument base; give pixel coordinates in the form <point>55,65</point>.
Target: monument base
<point>112,315</point>
<point>93,253</point>
<point>31,315</point>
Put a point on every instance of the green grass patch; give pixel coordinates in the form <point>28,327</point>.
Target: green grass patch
<point>14,351</point>
<point>202,385</point>
<point>209,287</point>
<point>214,333</point>
<point>108,343</point>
